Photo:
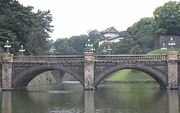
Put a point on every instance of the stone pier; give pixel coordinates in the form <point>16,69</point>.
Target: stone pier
<point>89,71</point>
<point>172,60</point>
<point>7,61</point>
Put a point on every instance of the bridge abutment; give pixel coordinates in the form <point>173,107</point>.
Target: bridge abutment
<point>89,71</point>
<point>172,59</point>
<point>7,61</point>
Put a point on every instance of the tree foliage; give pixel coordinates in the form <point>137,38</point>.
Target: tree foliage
<point>136,50</point>
<point>20,25</point>
<point>72,45</point>
<point>142,33</point>
<point>63,47</point>
<point>167,19</point>
<point>122,47</point>
<point>76,44</point>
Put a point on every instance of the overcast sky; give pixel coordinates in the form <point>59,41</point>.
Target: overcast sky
<point>75,17</point>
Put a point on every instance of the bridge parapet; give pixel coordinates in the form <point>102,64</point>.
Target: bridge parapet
<point>48,59</point>
<point>131,57</point>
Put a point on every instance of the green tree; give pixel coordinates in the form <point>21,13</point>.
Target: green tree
<point>142,33</point>
<point>102,49</point>
<point>136,50</point>
<point>78,43</point>
<point>20,25</point>
<point>167,19</point>
<point>122,47</point>
<point>94,36</point>
<point>62,46</point>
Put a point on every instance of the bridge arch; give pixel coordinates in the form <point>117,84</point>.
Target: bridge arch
<point>22,79</point>
<point>154,73</point>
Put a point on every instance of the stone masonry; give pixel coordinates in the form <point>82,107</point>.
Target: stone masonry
<point>89,69</point>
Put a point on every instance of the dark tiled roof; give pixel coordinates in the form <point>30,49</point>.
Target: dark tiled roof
<point>110,30</point>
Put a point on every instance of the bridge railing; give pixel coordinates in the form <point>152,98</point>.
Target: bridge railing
<point>130,57</point>
<point>49,58</point>
<point>58,58</point>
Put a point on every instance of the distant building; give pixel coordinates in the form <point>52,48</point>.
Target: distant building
<point>109,35</point>
<point>164,42</point>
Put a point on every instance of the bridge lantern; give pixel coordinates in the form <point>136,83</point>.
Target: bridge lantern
<point>89,47</point>
<point>52,50</point>
<point>104,50</point>
<point>7,46</point>
<point>109,49</point>
<point>171,43</point>
<point>22,50</point>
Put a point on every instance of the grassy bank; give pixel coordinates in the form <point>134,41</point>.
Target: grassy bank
<point>129,75</point>
<point>135,75</point>
<point>159,51</point>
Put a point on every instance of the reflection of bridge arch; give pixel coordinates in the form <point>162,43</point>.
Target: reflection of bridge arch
<point>154,73</point>
<point>21,80</point>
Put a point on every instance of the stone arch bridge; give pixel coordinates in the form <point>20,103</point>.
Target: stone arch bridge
<point>89,69</point>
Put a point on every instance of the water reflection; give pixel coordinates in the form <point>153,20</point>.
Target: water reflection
<point>89,102</point>
<point>108,99</point>
<point>173,98</point>
<point>6,102</point>
<point>130,98</point>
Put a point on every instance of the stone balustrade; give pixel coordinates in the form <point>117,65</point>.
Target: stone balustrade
<point>56,58</point>
<point>48,58</point>
<point>131,57</point>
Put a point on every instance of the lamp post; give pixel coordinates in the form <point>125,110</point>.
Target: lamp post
<point>7,46</point>
<point>89,47</point>
<point>104,50</point>
<point>163,48</point>
<point>171,43</point>
<point>22,50</point>
<point>109,49</point>
<point>52,50</point>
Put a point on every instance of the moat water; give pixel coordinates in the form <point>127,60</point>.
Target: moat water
<point>108,98</point>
